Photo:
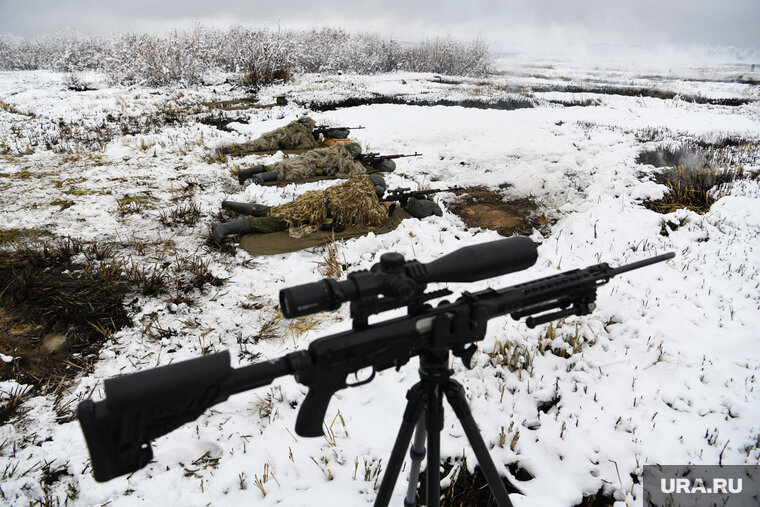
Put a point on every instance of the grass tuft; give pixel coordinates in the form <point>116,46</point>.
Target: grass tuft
<point>186,213</point>
<point>330,265</point>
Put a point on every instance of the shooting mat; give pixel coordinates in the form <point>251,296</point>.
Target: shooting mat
<point>279,242</point>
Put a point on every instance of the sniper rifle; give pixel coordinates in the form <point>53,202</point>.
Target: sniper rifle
<point>372,160</point>
<point>327,131</point>
<point>402,195</point>
<point>143,406</point>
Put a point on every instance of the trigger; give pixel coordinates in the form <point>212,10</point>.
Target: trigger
<point>466,355</point>
<point>362,382</point>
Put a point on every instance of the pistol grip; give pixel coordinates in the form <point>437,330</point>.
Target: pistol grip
<point>312,413</point>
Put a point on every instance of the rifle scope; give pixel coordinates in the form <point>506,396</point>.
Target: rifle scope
<point>402,280</point>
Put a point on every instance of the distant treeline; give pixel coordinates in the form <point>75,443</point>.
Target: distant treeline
<point>259,55</point>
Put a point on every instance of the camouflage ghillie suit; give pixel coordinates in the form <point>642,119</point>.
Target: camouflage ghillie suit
<point>296,135</point>
<point>354,202</point>
<point>337,160</point>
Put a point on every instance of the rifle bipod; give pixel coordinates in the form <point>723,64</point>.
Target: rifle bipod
<point>424,411</point>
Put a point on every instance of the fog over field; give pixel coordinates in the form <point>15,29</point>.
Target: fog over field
<point>585,29</point>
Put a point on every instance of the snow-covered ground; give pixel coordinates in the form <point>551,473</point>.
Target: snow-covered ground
<point>664,371</point>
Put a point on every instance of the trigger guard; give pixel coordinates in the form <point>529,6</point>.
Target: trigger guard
<point>365,381</point>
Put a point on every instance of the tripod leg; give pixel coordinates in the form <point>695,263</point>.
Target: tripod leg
<point>417,453</point>
<point>434,424</point>
<point>411,416</point>
<point>458,401</point>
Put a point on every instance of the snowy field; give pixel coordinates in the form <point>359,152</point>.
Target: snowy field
<point>666,370</point>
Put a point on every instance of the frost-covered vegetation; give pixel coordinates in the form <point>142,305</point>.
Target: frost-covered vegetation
<point>260,55</point>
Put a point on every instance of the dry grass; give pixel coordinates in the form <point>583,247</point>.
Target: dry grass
<point>55,314</point>
<point>128,205</point>
<point>695,173</point>
<point>330,265</point>
<point>466,489</point>
<point>691,187</point>
<point>193,272</point>
<point>183,213</point>
<point>9,108</point>
<point>10,401</point>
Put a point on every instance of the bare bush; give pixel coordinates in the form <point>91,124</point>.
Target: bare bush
<point>449,56</point>
<point>259,56</point>
<point>156,60</point>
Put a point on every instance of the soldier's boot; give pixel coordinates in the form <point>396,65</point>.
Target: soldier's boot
<point>248,172</point>
<point>245,208</point>
<point>239,226</point>
<point>261,178</point>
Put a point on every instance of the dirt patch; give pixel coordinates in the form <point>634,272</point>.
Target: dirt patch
<point>55,314</point>
<point>482,207</point>
<point>502,104</point>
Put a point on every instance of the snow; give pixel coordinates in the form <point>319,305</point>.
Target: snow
<point>669,364</point>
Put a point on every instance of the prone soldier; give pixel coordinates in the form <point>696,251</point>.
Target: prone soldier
<point>358,201</point>
<point>339,161</point>
<point>301,134</point>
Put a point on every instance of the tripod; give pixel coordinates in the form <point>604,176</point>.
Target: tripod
<point>435,382</point>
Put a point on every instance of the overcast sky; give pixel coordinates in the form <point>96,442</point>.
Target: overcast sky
<point>509,25</point>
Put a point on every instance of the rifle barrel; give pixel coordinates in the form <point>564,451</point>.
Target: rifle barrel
<point>640,264</point>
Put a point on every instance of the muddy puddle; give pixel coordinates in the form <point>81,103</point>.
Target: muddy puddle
<point>488,209</point>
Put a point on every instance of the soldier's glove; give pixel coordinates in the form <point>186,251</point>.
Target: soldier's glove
<point>333,225</point>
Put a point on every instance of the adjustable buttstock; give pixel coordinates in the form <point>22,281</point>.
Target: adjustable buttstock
<point>143,406</point>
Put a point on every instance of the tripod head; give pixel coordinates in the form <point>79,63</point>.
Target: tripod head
<point>403,283</point>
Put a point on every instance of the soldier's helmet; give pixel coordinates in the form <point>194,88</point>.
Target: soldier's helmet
<point>354,149</point>
<point>310,124</point>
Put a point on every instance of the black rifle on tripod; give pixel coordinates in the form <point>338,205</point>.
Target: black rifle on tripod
<point>143,406</point>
